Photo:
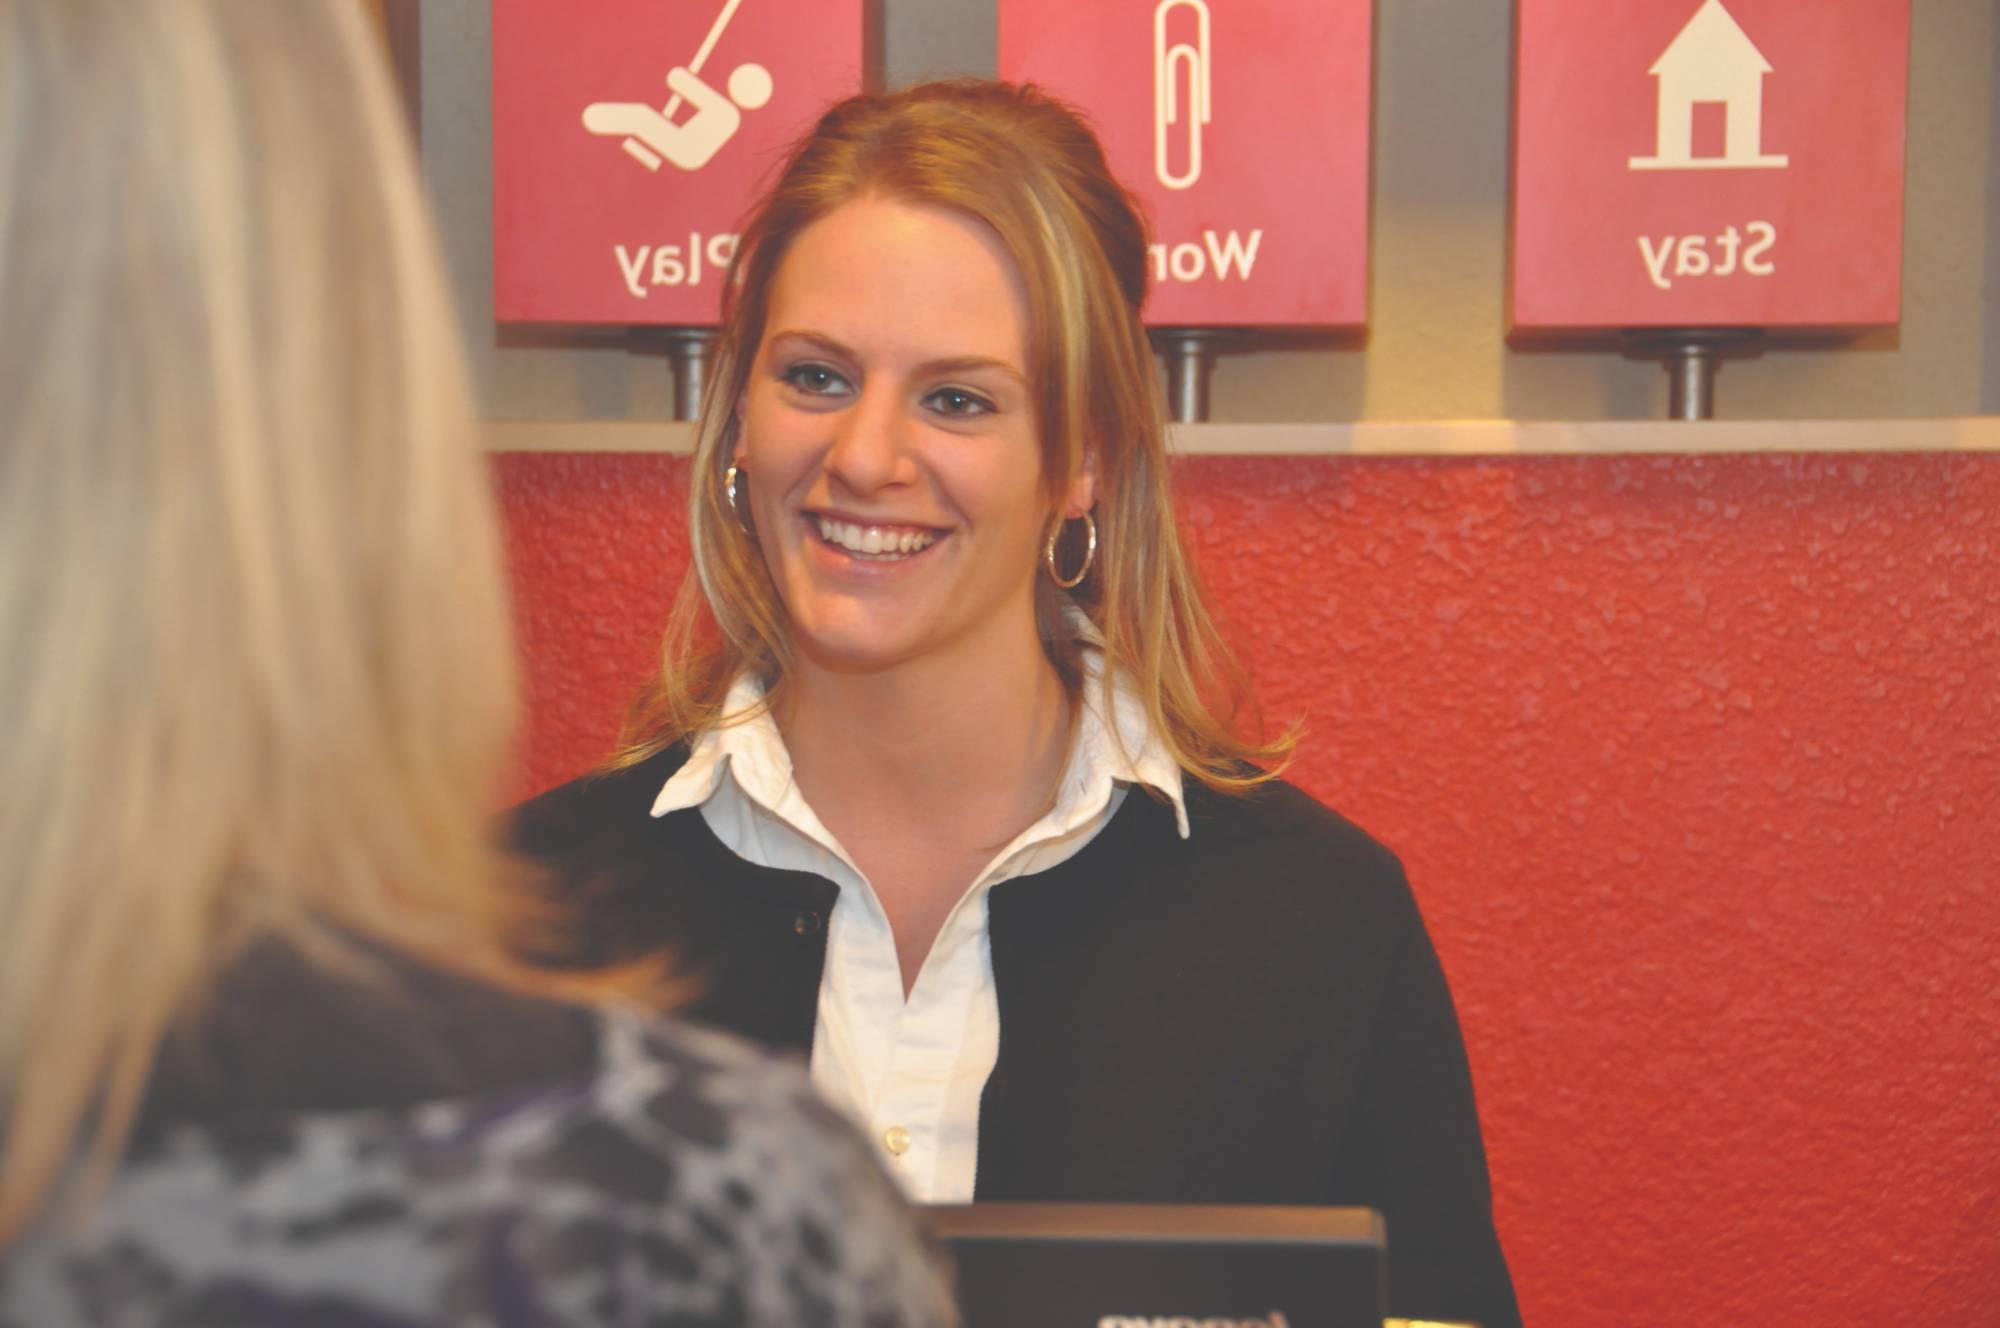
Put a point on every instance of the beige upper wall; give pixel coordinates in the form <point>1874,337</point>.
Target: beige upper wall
<point>1435,347</point>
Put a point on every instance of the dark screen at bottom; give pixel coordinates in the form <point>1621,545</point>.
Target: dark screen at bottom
<point>1025,1283</point>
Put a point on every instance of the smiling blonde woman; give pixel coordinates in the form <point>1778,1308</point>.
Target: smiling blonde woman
<point>944,780</point>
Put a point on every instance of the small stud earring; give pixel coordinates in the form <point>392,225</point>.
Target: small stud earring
<point>729,478</point>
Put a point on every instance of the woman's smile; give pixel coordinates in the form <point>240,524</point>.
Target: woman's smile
<point>873,541</point>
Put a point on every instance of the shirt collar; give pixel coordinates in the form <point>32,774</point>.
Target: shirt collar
<point>1107,752</point>
<point>750,751</point>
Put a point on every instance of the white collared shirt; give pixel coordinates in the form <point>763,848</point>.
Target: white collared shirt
<point>911,1072</point>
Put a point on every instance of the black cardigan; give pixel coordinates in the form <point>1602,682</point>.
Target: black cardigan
<point>1252,1015</point>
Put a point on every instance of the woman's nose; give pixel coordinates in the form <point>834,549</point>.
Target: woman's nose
<point>870,448</point>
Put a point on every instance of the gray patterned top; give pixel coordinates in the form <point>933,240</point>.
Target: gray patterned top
<point>686,1182</point>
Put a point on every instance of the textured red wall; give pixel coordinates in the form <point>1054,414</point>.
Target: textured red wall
<point>1695,763</point>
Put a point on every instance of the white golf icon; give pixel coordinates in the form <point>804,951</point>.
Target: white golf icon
<point>649,132</point>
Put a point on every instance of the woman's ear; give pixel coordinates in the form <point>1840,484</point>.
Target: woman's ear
<point>1082,494</point>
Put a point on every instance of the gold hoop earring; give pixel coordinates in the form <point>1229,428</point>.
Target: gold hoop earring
<point>729,478</point>
<point>1089,553</point>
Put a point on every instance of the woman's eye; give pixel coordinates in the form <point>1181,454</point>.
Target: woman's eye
<point>958,402</point>
<point>814,380</point>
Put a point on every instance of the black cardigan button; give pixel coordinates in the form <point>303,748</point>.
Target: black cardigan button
<point>806,923</point>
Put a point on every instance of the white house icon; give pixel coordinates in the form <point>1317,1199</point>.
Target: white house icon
<point>1712,60</point>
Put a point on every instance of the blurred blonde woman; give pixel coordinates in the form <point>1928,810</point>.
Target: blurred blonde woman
<point>262,1056</point>
<point>943,778</point>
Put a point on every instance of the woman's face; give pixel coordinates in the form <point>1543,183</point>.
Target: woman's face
<point>889,446</point>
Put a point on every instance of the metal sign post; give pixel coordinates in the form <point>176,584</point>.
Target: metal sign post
<point>1692,356</point>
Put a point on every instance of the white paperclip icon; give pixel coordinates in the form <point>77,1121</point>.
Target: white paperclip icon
<point>1174,65</point>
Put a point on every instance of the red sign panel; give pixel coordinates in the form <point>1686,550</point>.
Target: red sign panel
<point>630,136</point>
<point>1243,127</point>
<point>1708,163</point>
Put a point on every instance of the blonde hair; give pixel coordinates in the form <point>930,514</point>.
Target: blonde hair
<point>258,674</point>
<point>1030,169</point>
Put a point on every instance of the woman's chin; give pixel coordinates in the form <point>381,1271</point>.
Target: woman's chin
<point>855,648</point>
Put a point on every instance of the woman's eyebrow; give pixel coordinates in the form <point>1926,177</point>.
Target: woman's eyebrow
<point>818,339</point>
<point>958,364</point>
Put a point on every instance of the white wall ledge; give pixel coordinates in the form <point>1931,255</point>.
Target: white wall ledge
<point>1974,433</point>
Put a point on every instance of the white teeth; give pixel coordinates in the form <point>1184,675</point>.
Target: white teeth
<point>878,542</point>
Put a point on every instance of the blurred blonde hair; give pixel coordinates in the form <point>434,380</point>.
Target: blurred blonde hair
<point>1028,167</point>
<point>257,676</point>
